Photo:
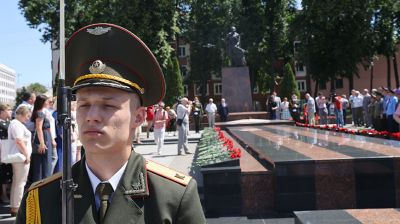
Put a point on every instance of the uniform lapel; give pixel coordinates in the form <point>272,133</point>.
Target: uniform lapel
<point>85,208</point>
<point>128,200</point>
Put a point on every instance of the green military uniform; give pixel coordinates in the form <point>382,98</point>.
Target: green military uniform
<point>107,55</point>
<point>146,194</point>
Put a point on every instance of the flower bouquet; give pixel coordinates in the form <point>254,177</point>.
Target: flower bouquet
<point>215,147</point>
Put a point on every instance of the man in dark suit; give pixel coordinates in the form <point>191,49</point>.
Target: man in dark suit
<point>223,110</point>
<point>114,76</point>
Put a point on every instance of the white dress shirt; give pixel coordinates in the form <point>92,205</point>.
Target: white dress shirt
<point>211,108</point>
<point>114,180</point>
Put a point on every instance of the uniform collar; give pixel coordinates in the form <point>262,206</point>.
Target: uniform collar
<point>134,182</point>
<point>114,180</point>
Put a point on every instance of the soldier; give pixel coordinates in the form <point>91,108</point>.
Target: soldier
<point>114,76</point>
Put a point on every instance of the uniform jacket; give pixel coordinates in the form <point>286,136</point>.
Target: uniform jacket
<point>146,193</point>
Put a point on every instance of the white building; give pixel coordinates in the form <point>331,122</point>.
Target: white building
<point>8,85</point>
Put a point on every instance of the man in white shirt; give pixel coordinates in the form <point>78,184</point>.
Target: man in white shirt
<point>211,109</point>
<point>358,109</point>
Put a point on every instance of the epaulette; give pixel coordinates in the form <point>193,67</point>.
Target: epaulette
<point>33,215</point>
<point>45,181</point>
<point>167,173</point>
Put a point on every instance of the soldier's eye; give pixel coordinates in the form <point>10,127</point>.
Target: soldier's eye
<point>110,106</point>
<point>83,106</point>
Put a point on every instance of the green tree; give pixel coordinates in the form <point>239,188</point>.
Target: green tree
<point>154,21</point>
<point>208,24</point>
<point>288,85</point>
<point>275,39</point>
<point>174,81</point>
<point>385,23</point>
<point>336,36</point>
<point>36,88</point>
<point>20,93</point>
<point>251,24</point>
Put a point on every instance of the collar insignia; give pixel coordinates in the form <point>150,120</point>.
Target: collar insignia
<point>138,187</point>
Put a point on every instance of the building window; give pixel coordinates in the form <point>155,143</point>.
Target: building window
<point>197,91</point>
<point>182,51</point>
<point>217,88</point>
<point>255,90</point>
<point>184,71</point>
<point>185,90</point>
<point>296,46</point>
<point>339,83</point>
<point>299,67</point>
<point>301,85</point>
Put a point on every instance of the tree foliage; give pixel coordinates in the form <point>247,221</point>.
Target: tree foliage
<point>174,82</point>
<point>386,25</point>
<point>336,37</point>
<point>154,21</point>
<point>36,88</point>
<point>20,94</point>
<point>275,38</point>
<point>208,24</point>
<point>253,30</point>
<point>288,85</point>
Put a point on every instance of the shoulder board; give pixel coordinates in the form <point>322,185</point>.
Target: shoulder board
<point>45,181</point>
<point>167,173</point>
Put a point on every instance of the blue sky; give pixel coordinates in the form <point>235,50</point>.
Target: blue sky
<point>21,48</point>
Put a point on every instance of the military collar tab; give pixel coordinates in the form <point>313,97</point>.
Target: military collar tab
<point>139,188</point>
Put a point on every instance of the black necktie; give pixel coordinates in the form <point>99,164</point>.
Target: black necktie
<point>104,191</point>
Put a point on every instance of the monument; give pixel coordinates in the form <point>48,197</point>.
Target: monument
<point>235,79</point>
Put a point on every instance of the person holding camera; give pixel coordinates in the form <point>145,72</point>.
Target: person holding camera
<point>182,123</point>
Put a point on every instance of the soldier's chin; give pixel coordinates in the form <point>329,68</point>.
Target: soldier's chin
<point>95,147</point>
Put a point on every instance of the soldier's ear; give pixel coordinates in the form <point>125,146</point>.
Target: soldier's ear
<point>138,117</point>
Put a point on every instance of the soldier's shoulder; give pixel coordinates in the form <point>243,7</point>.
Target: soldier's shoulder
<point>168,173</point>
<point>46,181</point>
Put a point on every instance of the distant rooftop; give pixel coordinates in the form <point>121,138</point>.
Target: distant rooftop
<point>7,69</point>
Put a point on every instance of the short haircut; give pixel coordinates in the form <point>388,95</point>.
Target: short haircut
<point>22,110</point>
<point>26,96</point>
<point>4,107</point>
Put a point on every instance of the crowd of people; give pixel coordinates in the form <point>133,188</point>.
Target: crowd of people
<point>175,118</point>
<point>37,136</point>
<point>378,110</point>
<point>283,110</point>
<point>33,125</point>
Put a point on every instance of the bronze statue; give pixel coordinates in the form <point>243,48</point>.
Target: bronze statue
<point>233,49</point>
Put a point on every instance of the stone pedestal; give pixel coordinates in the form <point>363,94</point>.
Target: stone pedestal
<point>236,89</point>
<point>222,192</point>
